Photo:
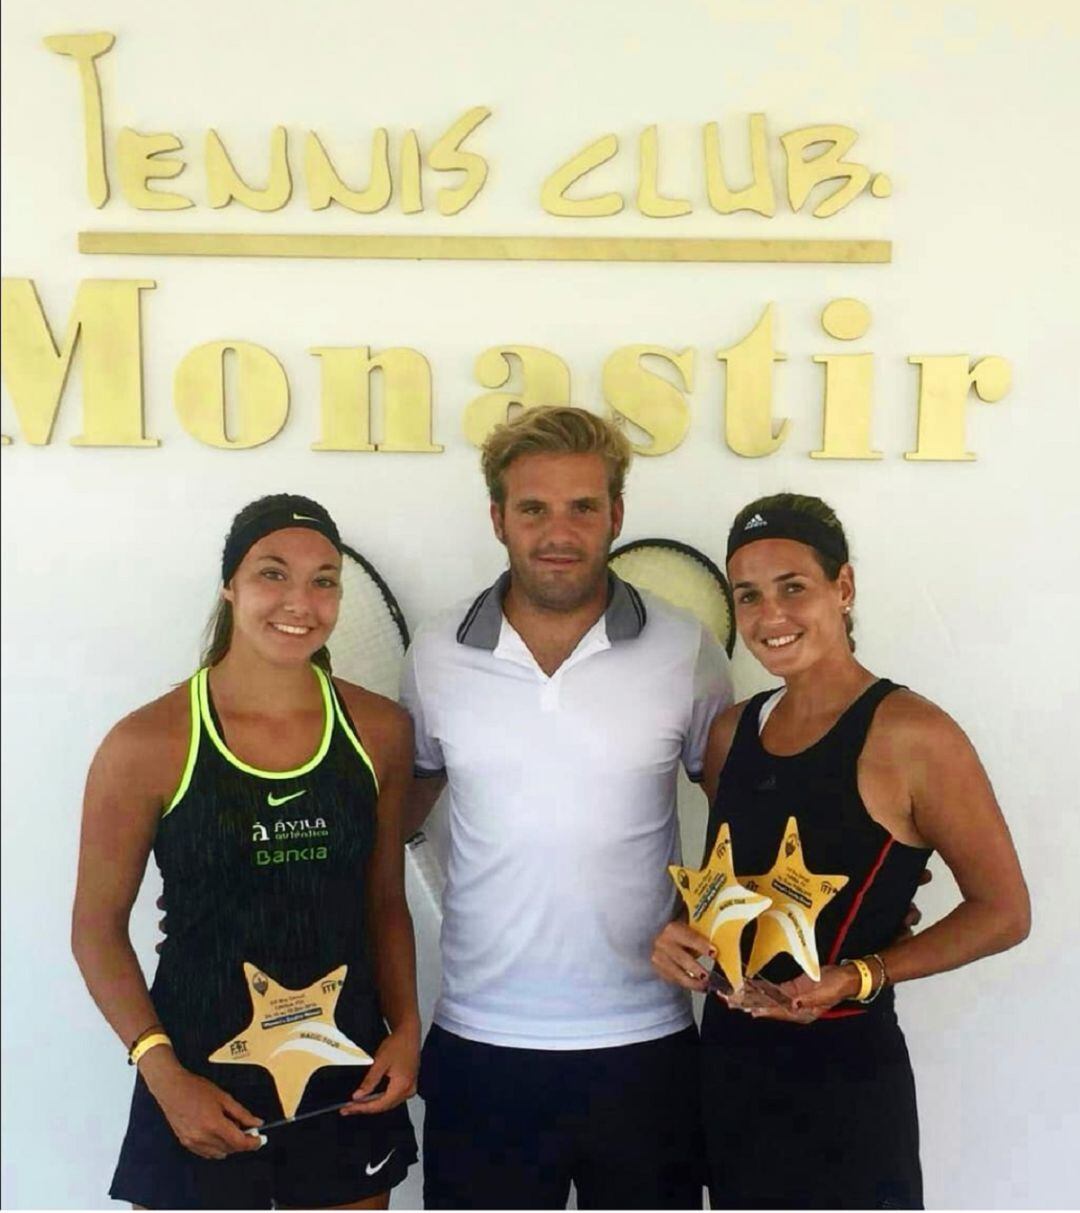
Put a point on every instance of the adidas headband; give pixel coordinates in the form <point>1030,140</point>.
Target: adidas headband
<point>281,512</point>
<point>789,524</point>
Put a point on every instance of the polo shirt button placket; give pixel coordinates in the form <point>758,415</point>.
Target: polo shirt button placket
<point>549,694</point>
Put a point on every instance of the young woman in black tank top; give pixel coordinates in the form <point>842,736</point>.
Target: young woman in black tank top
<point>812,1105</point>
<point>270,794</point>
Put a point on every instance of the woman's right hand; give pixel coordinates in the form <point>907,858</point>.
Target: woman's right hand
<point>677,953</point>
<point>206,1120</point>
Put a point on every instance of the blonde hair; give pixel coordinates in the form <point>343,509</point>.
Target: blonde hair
<point>554,430</point>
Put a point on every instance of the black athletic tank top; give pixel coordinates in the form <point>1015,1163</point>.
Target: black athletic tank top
<point>758,792</point>
<point>266,867</point>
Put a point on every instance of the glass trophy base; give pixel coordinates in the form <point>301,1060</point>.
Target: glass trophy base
<point>756,994</point>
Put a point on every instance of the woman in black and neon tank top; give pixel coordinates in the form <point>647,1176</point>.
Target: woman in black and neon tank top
<point>270,794</point>
<point>827,799</point>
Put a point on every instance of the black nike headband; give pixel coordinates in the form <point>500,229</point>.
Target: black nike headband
<point>277,513</point>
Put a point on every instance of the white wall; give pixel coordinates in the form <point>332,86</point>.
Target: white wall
<point>967,572</point>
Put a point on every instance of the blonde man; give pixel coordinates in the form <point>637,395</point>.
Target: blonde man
<point>558,705</point>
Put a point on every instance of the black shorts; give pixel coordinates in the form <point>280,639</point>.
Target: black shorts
<point>513,1128</point>
<point>327,1160</point>
<point>818,1116</point>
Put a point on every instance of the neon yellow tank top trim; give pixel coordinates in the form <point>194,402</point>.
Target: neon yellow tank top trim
<point>343,720</point>
<point>229,756</point>
<point>193,746</point>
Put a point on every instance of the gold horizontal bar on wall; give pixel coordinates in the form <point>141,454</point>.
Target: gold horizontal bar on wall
<point>483,248</point>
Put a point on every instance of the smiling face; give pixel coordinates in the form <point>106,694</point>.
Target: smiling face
<point>789,614</point>
<point>285,595</point>
<point>558,523</point>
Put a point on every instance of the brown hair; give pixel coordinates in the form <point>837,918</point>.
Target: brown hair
<point>554,430</point>
<point>812,507</point>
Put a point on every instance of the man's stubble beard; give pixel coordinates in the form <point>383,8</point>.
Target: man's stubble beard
<point>561,594</point>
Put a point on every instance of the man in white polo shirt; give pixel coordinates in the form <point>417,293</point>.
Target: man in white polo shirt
<point>559,705</point>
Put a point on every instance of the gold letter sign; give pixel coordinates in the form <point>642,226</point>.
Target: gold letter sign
<point>106,316</point>
<point>235,394</point>
<point>201,399</point>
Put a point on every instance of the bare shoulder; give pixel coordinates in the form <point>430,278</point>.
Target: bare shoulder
<point>147,749</point>
<point>913,726</point>
<point>721,735</point>
<point>725,723</point>
<point>386,726</point>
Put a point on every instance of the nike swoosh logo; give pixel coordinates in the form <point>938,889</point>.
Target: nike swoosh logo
<point>273,801</point>
<point>305,518</point>
<point>370,1170</point>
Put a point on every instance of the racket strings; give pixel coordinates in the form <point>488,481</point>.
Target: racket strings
<point>681,577</point>
<point>368,647</point>
<point>368,644</point>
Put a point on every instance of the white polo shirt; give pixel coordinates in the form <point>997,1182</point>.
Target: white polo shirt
<point>562,815</point>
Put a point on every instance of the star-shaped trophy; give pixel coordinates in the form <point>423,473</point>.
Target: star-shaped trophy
<point>720,907</point>
<point>292,1034</point>
<point>797,897</point>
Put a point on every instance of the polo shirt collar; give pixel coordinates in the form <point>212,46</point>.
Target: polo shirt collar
<point>624,616</point>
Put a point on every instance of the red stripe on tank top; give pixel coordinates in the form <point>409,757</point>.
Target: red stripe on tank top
<point>856,904</point>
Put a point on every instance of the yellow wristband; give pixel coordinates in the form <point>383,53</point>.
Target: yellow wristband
<point>154,1027</point>
<point>145,1045</point>
<point>866,979</point>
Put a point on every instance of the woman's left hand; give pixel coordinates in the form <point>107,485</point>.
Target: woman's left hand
<point>397,1060</point>
<point>810,999</point>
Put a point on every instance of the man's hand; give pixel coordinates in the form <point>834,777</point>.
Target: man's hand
<point>677,953</point>
<point>914,916</point>
<point>162,922</point>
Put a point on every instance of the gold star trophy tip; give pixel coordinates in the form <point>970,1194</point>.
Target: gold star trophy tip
<point>796,896</point>
<point>719,906</point>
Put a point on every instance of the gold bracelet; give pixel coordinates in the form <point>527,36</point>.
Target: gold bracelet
<point>866,979</point>
<point>144,1046</point>
<point>874,956</point>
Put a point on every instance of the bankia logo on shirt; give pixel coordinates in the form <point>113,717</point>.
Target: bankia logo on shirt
<point>290,840</point>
